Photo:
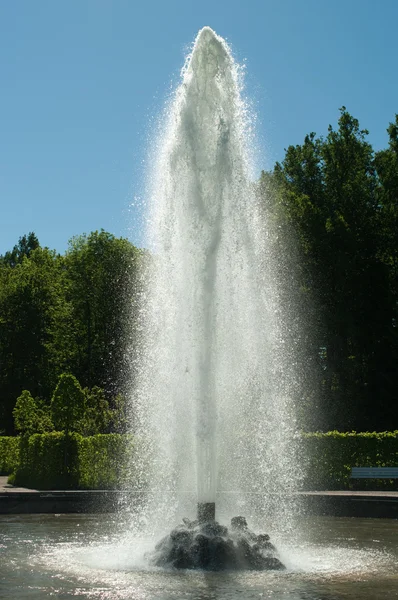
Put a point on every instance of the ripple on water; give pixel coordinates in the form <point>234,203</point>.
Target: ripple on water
<point>46,559</point>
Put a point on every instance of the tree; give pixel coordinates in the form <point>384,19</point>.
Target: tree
<point>66,314</point>
<point>334,193</point>
<point>119,417</point>
<point>102,288</point>
<point>25,414</point>
<point>31,416</point>
<point>26,245</point>
<point>34,328</point>
<point>97,414</point>
<point>67,403</point>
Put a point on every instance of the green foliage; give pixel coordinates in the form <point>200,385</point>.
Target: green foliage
<point>103,461</point>
<point>333,195</point>
<point>25,414</point>
<point>85,411</point>
<point>103,286</point>
<point>67,403</point>
<point>44,421</point>
<point>48,461</point>
<point>119,417</point>
<point>98,462</point>
<point>341,201</point>
<point>31,416</point>
<point>97,415</point>
<point>329,457</point>
<point>9,454</point>
<point>65,314</point>
<point>26,245</point>
<point>33,327</point>
<point>106,461</point>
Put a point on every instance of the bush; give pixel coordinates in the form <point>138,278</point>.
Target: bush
<point>67,403</point>
<point>48,461</point>
<point>97,415</point>
<point>9,454</point>
<point>329,457</point>
<point>25,413</point>
<point>31,416</point>
<point>103,461</point>
<point>69,461</point>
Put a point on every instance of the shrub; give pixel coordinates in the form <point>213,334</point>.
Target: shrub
<point>25,413</point>
<point>48,461</point>
<point>329,457</point>
<point>67,403</point>
<point>9,454</point>
<point>119,415</point>
<point>65,461</point>
<point>97,415</point>
<point>69,461</point>
<point>31,416</point>
<point>103,461</point>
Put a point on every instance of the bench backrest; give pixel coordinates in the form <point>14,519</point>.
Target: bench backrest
<point>374,473</point>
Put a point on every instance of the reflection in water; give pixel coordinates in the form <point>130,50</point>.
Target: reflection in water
<point>91,556</point>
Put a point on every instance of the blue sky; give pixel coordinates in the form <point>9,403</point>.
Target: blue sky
<point>82,80</point>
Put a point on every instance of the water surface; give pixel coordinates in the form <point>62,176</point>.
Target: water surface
<point>93,556</point>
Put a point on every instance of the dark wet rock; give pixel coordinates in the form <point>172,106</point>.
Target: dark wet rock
<point>243,546</point>
<point>163,543</point>
<point>210,546</point>
<point>238,524</point>
<point>214,529</point>
<point>262,541</point>
<point>190,524</point>
<point>181,537</point>
<point>223,554</point>
<point>182,559</point>
<point>200,551</point>
<point>273,564</point>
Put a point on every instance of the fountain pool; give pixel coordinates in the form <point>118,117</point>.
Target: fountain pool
<point>87,556</point>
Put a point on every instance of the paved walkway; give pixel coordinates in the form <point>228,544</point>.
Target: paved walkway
<point>7,488</point>
<point>353,493</point>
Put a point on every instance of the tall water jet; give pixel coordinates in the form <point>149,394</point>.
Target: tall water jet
<point>213,403</point>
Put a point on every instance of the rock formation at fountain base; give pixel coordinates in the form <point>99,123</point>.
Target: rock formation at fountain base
<point>213,547</point>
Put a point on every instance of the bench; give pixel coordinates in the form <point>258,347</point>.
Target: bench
<point>374,473</point>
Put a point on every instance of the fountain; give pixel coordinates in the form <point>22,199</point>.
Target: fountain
<point>215,381</point>
<point>214,401</point>
<point>211,546</point>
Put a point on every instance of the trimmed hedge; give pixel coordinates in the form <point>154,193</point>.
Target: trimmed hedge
<point>9,454</point>
<point>59,461</point>
<point>104,461</point>
<point>329,457</point>
<point>48,461</point>
<point>69,461</point>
